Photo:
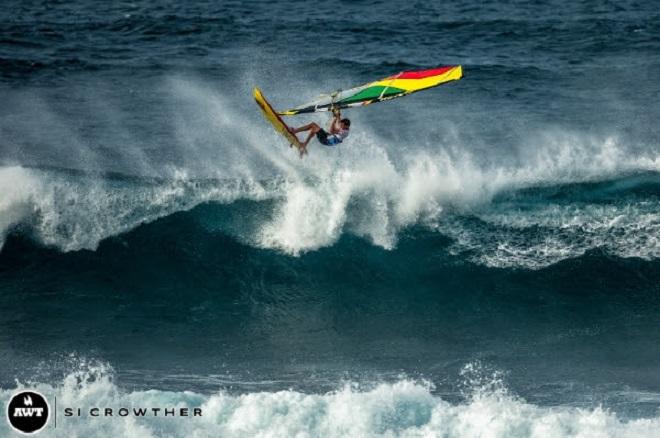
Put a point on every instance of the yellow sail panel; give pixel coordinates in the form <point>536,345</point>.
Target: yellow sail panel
<point>411,85</point>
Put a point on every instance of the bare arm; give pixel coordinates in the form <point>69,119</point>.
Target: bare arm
<point>335,127</point>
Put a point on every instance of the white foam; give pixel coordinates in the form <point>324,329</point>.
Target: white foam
<point>76,212</point>
<point>545,234</point>
<point>401,409</point>
<point>421,186</point>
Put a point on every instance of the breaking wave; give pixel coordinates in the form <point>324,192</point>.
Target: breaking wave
<point>497,216</point>
<point>405,408</point>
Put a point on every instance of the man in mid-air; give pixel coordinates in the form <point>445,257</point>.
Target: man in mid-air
<point>338,132</point>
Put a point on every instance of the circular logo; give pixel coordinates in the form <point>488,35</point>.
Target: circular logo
<point>28,412</point>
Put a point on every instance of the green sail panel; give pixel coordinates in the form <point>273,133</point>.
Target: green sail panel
<point>372,93</point>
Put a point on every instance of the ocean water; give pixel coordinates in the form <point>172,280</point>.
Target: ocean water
<point>481,259</point>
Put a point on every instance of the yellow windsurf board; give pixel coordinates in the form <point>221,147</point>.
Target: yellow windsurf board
<point>275,120</point>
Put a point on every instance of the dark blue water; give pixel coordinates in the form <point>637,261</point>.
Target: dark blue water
<point>490,247</point>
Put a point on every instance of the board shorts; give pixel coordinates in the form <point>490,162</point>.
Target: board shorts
<point>326,139</point>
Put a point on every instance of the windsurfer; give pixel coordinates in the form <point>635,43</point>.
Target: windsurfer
<point>339,129</point>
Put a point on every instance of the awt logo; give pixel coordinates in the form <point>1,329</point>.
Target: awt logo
<point>27,412</point>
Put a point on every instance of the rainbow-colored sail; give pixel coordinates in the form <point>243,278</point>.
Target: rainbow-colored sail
<point>401,84</point>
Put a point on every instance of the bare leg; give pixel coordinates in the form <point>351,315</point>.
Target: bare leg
<point>313,128</point>
<point>308,127</point>
<point>312,132</point>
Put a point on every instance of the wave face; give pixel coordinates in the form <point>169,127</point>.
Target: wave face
<point>152,222</point>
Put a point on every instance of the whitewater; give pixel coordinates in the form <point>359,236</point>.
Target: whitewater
<point>404,408</point>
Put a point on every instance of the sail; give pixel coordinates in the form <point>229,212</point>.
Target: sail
<point>398,85</point>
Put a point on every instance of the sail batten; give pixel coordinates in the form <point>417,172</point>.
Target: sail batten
<point>398,85</point>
